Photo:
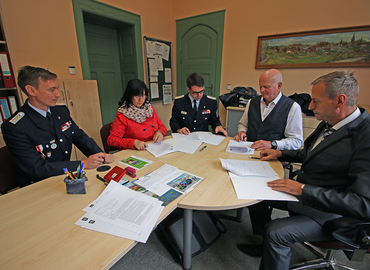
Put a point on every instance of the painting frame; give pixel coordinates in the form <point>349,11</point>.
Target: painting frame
<point>319,48</point>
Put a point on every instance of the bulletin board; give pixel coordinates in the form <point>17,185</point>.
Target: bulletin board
<point>158,63</point>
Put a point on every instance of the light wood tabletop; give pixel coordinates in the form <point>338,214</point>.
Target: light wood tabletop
<point>37,228</point>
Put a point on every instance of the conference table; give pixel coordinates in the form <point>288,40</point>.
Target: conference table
<point>37,227</point>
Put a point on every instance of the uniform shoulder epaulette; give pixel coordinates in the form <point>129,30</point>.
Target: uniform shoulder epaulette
<point>211,97</point>
<point>17,117</point>
<point>179,97</point>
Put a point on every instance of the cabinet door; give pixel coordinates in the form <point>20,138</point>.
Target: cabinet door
<point>233,118</point>
<point>82,99</point>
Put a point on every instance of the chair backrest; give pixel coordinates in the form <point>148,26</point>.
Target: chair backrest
<point>8,171</point>
<point>104,134</point>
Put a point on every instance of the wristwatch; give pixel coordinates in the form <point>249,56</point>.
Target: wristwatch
<point>273,145</point>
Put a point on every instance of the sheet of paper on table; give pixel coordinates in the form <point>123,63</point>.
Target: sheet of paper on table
<point>183,143</point>
<point>122,212</point>
<point>255,188</point>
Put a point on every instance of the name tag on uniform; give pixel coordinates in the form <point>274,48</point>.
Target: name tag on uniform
<point>183,112</point>
<point>66,125</point>
<point>206,111</point>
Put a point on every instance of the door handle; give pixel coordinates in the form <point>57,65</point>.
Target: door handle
<point>210,88</point>
<point>69,97</point>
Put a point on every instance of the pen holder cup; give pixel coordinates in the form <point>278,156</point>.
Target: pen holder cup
<point>76,186</point>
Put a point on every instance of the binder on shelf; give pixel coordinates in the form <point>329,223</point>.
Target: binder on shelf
<point>6,72</point>
<point>12,104</point>
<point>5,112</point>
<point>1,80</point>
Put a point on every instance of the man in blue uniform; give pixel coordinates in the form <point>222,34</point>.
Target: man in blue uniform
<point>40,134</point>
<point>195,111</point>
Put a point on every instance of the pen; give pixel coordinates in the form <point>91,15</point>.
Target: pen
<point>203,148</point>
<point>68,173</point>
<point>82,166</point>
<point>78,171</point>
<point>255,157</point>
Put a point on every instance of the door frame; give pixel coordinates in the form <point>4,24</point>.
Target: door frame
<point>104,10</point>
<point>215,20</point>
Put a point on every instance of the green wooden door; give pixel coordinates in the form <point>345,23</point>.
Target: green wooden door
<point>103,53</point>
<point>199,49</point>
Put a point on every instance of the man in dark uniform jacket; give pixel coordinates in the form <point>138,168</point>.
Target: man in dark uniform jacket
<point>195,111</point>
<point>334,178</point>
<point>271,120</point>
<point>40,134</point>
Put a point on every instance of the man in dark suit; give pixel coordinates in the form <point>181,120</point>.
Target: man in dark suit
<point>40,134</point>
<point>195,111</point>
<point>334,177</point>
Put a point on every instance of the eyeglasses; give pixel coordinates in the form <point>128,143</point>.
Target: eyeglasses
<point>140,96</point>
<point>197,93</point>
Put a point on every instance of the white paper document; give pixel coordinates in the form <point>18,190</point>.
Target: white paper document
<point>255,188</point>
<point>240,147</point>
<point>122,212</point>
<point>248,168</point>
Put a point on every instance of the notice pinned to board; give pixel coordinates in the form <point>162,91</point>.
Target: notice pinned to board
<point>167,94</point>
<point>159,69</point>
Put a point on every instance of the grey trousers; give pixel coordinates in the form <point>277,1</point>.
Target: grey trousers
<point>280,234</point>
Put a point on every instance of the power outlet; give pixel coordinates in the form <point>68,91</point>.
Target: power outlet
<point>228,87</point>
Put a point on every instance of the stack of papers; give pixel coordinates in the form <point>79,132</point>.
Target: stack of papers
<point>240,147</point>
<point>250,180</point>
<point>183,143</point>
<point>122,212</point>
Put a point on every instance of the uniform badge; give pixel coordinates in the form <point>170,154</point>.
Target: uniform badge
<point>183,112</point>
<point>66,126</point>
<point>17,117</point>
<point>53,146</point>
<point>39,149</point>
<point>206,111</point>
<point>48,154</point>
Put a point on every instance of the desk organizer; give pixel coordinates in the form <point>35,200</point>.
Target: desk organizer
<point>76,186</point>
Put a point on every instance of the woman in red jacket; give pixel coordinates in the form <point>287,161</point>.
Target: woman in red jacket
<point>136,120</point>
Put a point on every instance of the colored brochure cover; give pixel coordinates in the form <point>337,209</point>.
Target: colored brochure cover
<point>166,178</point>
<point>135,162</point>
<point>168,197</point>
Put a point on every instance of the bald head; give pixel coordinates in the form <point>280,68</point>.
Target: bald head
<point>270,84</point>
<point>273,75</point>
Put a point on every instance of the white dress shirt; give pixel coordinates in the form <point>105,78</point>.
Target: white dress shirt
<point>293,129</point>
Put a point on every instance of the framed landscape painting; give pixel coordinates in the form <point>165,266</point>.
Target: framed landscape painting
<point>341,47</point>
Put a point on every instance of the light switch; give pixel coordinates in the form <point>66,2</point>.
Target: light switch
<point>72,70</point>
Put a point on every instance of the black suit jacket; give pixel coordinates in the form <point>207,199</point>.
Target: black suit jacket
<point>183,116</point>
<point>336,172</point>
<point>27,134</point>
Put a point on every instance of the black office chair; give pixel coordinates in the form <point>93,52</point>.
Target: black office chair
<point>104,134</point>
<point>8,169</point>
<point>350,235</point>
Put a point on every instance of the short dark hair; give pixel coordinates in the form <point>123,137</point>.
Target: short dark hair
<point>194,79</point>
<point>135,87</point>
<point>28,75</point>
<point>340,82</point>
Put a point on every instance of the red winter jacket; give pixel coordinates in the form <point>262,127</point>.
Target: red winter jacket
<point>125,131</point>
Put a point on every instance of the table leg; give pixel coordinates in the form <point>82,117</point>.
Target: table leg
<point>188,230</point>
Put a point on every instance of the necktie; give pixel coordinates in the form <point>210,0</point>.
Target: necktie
<point>48,116</point>
<point>327,131</point>
<point>195,107</point>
